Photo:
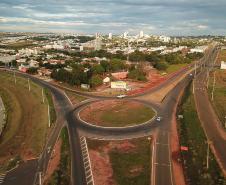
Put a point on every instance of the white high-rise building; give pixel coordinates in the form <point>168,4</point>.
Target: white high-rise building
<point>110,36</point>
<point>141,35</point>
<point>125,34</point>
<point>164,38</point>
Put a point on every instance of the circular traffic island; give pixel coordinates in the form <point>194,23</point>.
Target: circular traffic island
<point>116,113</point>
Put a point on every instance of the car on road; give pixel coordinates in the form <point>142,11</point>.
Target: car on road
<point>158,118</point>
<point>121,96</point>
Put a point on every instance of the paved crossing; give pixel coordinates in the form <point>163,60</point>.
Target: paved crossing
<point>2,177</point>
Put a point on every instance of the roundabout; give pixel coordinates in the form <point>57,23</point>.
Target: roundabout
<point>116,113</point>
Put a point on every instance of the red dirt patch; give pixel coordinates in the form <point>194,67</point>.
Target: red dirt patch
<point>54,161</point>
<point>100,161</point>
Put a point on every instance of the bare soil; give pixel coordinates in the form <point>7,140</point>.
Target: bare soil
<point>54,161</point>
<point>100,161</point>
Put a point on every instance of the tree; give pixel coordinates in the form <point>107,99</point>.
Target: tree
<point>105,65</point>
<point>137,73</point>
<point>162,65</point>
<point>137,56</point>
<point>98,69</point>
<point>95,81</point>
<point>32,70</point>
<point>116,65</point>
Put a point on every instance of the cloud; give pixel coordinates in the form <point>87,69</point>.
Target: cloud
<point>171,17</point>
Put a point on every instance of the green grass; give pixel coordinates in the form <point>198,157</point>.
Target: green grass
<point>219,101</point>
<point>119,114</point>
<point>52,111</point>
<point>61,175</point>
<point>175,67</point>
<point>117,117</point>
<point>193,136</point>
<point>123,163</point>
<point>27,119</point>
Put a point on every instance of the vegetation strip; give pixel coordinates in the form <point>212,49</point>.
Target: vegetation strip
<point>192,136</point>
<point>61,175</point>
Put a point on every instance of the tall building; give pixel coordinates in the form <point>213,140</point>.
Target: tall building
<point>125,34</point>
<point>141,35</point>
<point>110,36</point>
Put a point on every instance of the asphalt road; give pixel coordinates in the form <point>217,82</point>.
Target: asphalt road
<point>208,116</point>
<point>67,116</point>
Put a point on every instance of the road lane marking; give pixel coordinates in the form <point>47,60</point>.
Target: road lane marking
<point>171,175</point>
<point>153,166</point>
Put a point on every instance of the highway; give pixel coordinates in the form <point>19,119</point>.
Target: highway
<point>67,115</point>
<point>208,117</point>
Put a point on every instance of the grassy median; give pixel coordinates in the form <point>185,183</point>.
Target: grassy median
<point>219,98</point>
<point>193,136</point>
<point>27,120</point>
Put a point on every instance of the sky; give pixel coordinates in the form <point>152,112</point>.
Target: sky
<point>168,17</point>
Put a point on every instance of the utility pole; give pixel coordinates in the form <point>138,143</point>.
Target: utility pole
<point>43,98</point>
<point>208,76</point>
<point>29,86</point>
<point>193,86</point>
<point>14,77</point>
<point>225,121</point>
<point>48,115</point>
<point>214,81</point>
<point>208,154</point>
<point>40,178</point>
<point>195,69</point>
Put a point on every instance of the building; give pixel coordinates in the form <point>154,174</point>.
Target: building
<point>118,85</point>
<point>223,65</point>
<point>164,38</point>
<point>23,68</point>
<point>141,35</point>
<point>110,36</point>
<point>199,49</point>
<point>120,75</point>
<point>106,80</point>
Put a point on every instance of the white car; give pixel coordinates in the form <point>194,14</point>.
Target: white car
<point>158,118</point>
<point>121,96</point>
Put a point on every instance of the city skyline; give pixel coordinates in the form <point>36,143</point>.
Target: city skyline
<point>178,17</point>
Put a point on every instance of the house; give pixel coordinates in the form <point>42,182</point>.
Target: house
<point>106,80</point>
<point>23,68</point>
<point>223,65</point>
<point>120,75</point>
<point>44,72</point>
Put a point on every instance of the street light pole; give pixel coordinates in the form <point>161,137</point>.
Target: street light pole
<point>214,81</point>
<point>208,76</point>
<point>29,86</point>
<point>208,153</point>
<point>14,77</point>
<point>225,121</point>
<point>48,116</point>
<point>43,99</point>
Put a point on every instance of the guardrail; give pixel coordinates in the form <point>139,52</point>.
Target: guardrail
<point>86,161</point>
